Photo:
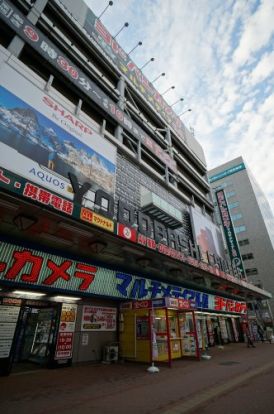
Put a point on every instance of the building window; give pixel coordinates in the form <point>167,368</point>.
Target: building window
<point>223,185</point>
<point>233,205</point>
<point>235,217</point>
<point>243,242</point>
<point>251,271</point>
<point>239,229</point>
<point>247,256</point>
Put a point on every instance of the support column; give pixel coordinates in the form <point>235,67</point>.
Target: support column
<point>17,44</point>
<point>121,104</point>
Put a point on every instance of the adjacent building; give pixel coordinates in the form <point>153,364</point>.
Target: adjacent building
<point>252,220</point>
<point>104,204</point>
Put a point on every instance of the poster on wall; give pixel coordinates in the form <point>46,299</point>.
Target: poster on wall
<point>207,235</point>
<point>66,330</point>
<point>9,312</point>
<point>99,318</point>
<point>46,141</point>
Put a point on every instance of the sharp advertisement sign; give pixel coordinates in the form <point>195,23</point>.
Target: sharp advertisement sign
<point>56,58</point>
<point>41,141</point>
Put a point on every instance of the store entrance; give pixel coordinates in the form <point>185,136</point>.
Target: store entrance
<point>35,337</point>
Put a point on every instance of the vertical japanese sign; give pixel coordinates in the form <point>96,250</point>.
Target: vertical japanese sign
<point>64,344</point>
<point>9,312</point>
<point>232,243</point>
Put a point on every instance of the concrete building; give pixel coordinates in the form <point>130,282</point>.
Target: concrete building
<point>104,200</point>
<point>252,219</point>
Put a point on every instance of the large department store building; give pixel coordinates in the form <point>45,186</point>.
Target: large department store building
<point>107,233</point>
<point>253,223</point>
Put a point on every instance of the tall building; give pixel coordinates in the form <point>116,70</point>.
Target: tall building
<point>252,219</point>
<point>105,207</point>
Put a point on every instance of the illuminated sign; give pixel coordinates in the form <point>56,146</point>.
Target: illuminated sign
<point>29,267</point>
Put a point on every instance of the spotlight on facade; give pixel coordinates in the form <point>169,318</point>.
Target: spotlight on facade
<point>143,261</point>
<point>138,44</point>
<point>158,77</point>
<point>150,60</point>
<point>169,89</point>
<point>97,246</point>
<point>24,222</point>
<point>126,24</point>
<point>110,3</point>
<point>188,110</point>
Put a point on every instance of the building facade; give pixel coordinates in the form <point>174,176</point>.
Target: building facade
<point>104,199</point>
<point>252,219</point>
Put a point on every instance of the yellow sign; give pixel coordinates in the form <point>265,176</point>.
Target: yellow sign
<point>97,219</point>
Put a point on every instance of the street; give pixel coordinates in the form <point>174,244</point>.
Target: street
<point>189,386</point>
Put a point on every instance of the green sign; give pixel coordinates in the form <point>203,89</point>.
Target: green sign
<point>232,243</point>
<point>226,173</point>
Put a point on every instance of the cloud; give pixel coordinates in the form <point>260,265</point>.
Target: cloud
<point>219,55</point>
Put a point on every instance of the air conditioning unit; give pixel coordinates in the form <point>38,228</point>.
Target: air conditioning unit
<point>111,353</point>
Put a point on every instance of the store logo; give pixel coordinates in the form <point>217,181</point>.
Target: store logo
<point>31,34</point>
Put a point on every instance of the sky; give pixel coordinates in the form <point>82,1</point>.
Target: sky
<point>219,55</point>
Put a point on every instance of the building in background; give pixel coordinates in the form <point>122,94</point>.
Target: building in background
<point>104,200</point>
<point>252,220</point>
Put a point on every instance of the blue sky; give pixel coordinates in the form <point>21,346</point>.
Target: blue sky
<point>220,57</point>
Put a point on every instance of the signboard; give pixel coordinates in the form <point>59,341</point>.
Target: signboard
<point>227,172</point>
<point>50,52</point>
<point>34,193</point>
<point>66,330</point>
<point>232,242</point>
<point>29,267</point>
<point>9,312</point>
<point>127,67</point>
<point>208,236</point>
<point>99,318</point>
<point>46,142</point>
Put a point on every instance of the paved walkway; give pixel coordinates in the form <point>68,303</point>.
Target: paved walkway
<point>129,388</point>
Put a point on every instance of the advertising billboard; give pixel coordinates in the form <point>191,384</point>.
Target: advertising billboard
<point>33,268</point>
<point>42,141</point>
<point>55,57</point>
<point>207,235</point>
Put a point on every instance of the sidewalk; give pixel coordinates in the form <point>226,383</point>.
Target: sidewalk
<point>124,388</point>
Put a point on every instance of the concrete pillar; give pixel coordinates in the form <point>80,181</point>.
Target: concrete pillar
<point>17,44</point>
<point>121,103</point>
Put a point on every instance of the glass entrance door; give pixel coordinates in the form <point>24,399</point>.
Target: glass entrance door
<point>36,334</point>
